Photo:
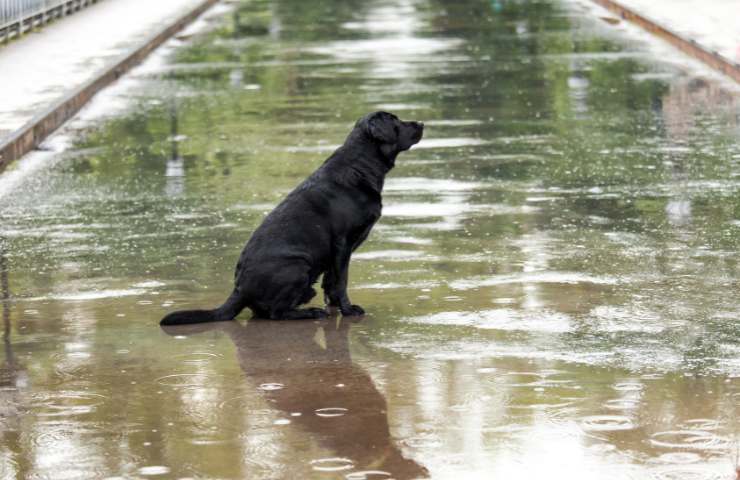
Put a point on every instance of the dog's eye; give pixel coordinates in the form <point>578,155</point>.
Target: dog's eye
<point>396,129</point>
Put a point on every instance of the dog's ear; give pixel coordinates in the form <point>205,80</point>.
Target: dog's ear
<point>381,127</point>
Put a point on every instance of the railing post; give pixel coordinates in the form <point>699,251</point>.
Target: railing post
<point>19,16</point>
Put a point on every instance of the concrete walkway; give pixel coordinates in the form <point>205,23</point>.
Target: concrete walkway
<point>42,67</point>
<point>711,23</point>
<point>704,30</point>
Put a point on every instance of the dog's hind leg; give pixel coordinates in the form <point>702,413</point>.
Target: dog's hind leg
<point>307,295</point>
<point>283,306</point>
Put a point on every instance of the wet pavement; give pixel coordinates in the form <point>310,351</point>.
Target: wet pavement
<point>42,68</point>
<point>551,292</point>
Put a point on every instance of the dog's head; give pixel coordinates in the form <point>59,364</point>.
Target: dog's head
<point>391,134</point>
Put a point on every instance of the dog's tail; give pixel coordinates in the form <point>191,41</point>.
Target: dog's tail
<point>230,309</point>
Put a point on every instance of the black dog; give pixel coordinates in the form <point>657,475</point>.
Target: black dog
<point>315,230</point>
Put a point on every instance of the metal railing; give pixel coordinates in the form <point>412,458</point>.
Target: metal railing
<point>18,16</point>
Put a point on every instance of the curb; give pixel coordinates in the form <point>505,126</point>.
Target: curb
<point>690,47</point>
<point>30,135</point>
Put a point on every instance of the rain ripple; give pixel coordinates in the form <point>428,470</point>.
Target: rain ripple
<point>689,439</point>
<point>687,473</point>
<point>607,423</point>
<point>368,475</point>
<point>185,380</point>
<point>197,358</point>
<point>540,277</point>
<point>336,464</point>
<point>622,404</point>
<point>61,404</point>
<point>331,412</point>
<point>154,470</point>
<point>268,387</point>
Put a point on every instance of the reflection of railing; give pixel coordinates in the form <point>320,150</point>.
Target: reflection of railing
<point>5,304</point>
<point>4,293</point>
<point>11,373</point>
<point>18,16</point>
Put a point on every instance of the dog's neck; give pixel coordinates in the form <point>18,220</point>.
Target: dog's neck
<point>367,168</point>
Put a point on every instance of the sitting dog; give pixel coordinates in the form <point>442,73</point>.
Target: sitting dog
<point>315,229</point>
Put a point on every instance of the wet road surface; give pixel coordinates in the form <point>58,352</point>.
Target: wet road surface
<point>551,292</point>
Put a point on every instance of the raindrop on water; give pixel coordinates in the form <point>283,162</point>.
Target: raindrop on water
<point>331,412</point>
<point>368,475</point>
<point>154,470</point>
<point>271,386</point>
<point>336,464</point>
<point>606,423</point>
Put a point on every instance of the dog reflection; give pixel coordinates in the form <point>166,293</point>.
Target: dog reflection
<point>312,360</point>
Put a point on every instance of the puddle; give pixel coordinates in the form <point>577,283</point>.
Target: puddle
<point>154,470</point>
<point>679,457</point>
<point>184,380</point>
<point>332,464</point>
<point>449,143</point>
<point>368,475</point>
<point>607,423</point>
<point>687,473</point>
<point>532,278</point>
<point>621,404</point>
<point>388,255</point>
<point>63,404</point>
<point>329,412</point>
<point>688,439</point>
<point>417,185</point>
<point>502,319</point>
<point>271,386</point>
<point>93,295</point>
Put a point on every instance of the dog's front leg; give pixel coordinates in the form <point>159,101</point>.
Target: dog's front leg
<point>335,281</point>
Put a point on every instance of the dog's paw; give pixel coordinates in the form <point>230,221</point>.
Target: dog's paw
<point>353,311</point>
